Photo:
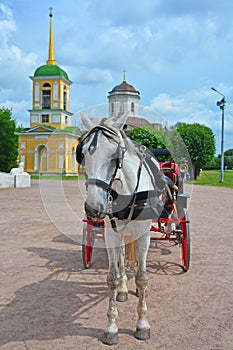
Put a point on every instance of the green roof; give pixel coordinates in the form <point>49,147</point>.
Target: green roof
<point>70,129</point>
<point>50,69</point>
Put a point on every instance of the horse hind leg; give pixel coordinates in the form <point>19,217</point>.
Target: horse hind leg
<point>142,326</point>
<point>141,280</point>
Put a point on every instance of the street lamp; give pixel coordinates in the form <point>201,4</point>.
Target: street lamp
<point>221,104</point>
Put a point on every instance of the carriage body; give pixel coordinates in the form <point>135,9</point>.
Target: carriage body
<point>172,225</point>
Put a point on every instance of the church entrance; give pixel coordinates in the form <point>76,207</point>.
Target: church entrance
<point>43,166</point>
<point>41,158</point>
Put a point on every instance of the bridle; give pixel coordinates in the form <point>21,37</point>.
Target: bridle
<point>110,133</point>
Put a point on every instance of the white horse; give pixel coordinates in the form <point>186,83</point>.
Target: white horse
<point>120,188</point>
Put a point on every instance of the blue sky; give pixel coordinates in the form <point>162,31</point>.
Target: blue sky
<point>173,52</point>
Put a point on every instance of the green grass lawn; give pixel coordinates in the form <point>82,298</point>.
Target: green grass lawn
<point>58,177</point>
<point>207,177</point>
<point>212,178</point>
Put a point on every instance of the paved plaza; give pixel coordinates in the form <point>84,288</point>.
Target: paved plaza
<point>48,301</point>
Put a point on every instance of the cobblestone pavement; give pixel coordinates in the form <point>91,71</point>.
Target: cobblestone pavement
<point>48,301</point>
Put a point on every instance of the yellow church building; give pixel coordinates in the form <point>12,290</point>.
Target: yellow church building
<point>48,146</point>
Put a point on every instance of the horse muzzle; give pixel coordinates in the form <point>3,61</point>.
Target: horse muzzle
<point>94,214</point>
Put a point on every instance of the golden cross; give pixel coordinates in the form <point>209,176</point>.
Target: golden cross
<point>124,78</point>
<point>51,13</point>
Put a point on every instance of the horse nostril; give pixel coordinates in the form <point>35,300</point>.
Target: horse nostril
<point>94,213</point>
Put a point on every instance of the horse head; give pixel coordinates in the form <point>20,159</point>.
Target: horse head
<point>102,151</point>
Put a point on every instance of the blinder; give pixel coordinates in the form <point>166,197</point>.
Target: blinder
<point>91,148</point>
<point>79,149</point>
<point>79,154</point>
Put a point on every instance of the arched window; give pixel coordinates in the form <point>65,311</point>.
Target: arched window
<point>46,96</point>
<point>132,107</point>
<point>65,100</point>
<point>122,107</point>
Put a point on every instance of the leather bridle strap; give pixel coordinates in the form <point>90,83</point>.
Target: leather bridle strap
<point>96,129</point>
<point>100,183</point>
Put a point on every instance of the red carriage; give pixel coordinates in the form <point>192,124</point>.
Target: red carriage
<point>172,225</point>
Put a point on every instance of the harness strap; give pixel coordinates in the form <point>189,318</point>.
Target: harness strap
<point>136,188</point>
<point>130,215</point>
<point>156,176</point>
<point>140,196</point>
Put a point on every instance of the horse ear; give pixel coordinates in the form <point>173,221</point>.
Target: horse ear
<point>87,122</point>
<point>117,122</point>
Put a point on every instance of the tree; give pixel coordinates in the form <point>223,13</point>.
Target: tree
<point>149,137</point>
<point>214,164</point>
<point>229,153</point>
<point>216,161</point>
<point>200,142</point>
<point>8,141</point>
<point>228,158</point>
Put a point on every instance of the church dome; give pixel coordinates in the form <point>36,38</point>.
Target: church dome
<point>50,70</point>
<point>124,87</point>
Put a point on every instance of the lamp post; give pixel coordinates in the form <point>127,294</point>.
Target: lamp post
<point>221,104</point>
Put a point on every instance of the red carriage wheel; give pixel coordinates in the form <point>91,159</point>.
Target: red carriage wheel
<point>88,240</point>
<point>185,241</point>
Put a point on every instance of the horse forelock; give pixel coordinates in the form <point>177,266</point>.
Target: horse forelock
<point>109,130</point>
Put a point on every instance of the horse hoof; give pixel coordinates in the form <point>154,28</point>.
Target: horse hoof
<point>142,334</point>
<point>110,339</point>
<point>122,296</point>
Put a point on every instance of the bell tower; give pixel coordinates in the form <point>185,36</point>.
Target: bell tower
<point>123,98</point>
<point>50,91</point>
<point>48,146</point>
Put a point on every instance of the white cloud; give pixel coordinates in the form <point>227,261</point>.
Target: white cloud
<point>7,23</point>
<point>96,75</point>
<point>19,111</point>
<point>198,106</point>
<point>16,65</point>
<point>195,106</point>
<point>169,50</point>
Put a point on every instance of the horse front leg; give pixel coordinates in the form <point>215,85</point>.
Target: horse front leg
<point>141,280</point>
<point>122,294</point>
<point>111,330</point>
